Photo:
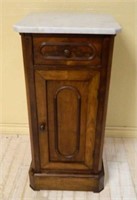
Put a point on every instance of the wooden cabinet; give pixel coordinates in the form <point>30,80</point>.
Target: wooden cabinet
<point>67,80</point>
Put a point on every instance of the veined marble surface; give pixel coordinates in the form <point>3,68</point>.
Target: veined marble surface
<point>68,22</point>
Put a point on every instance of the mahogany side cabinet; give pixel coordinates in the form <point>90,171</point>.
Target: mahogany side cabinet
<point>67,82</point>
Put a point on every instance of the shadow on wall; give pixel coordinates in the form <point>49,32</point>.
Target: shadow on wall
<point>122,107</point>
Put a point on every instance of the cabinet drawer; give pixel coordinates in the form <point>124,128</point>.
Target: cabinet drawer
<point>68,50</point>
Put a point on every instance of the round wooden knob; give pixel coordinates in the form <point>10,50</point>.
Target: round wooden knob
<point>42,126</point>
<point>67,52</point>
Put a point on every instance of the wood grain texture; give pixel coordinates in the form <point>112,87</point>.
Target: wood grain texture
<point>79,136</point>
<point>31,98</point>
<point>76,182</point>
<point>67,49</point>
<point>67,108</point>
<point>107,52</point>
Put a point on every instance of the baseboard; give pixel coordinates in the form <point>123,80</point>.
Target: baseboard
<point>14,129</point>
<point>121,131</point>
<point>109,132</point>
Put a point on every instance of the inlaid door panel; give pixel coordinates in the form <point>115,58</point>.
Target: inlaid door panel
<point>67,104</point>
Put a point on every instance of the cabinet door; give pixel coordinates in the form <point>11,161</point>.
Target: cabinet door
<point>67,103</point>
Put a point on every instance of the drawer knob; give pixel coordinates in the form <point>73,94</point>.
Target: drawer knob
<point>42,126</point>
<point>67,52</point>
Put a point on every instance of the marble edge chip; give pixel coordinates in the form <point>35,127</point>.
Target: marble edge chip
<point>57,23</point>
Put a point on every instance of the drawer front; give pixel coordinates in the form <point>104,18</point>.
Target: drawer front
<point>67,50</point>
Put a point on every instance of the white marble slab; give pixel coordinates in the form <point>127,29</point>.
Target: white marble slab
<point>63,22</point>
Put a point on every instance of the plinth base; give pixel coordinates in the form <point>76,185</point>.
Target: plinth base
<point>75,182</point>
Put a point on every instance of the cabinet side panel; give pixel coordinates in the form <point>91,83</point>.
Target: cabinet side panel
<point>31,98</point>
<point>103,99</point>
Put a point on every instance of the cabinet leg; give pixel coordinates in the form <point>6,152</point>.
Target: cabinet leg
<point>34,188</point>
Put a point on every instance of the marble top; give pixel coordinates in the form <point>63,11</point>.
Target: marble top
<point>64,22</point>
